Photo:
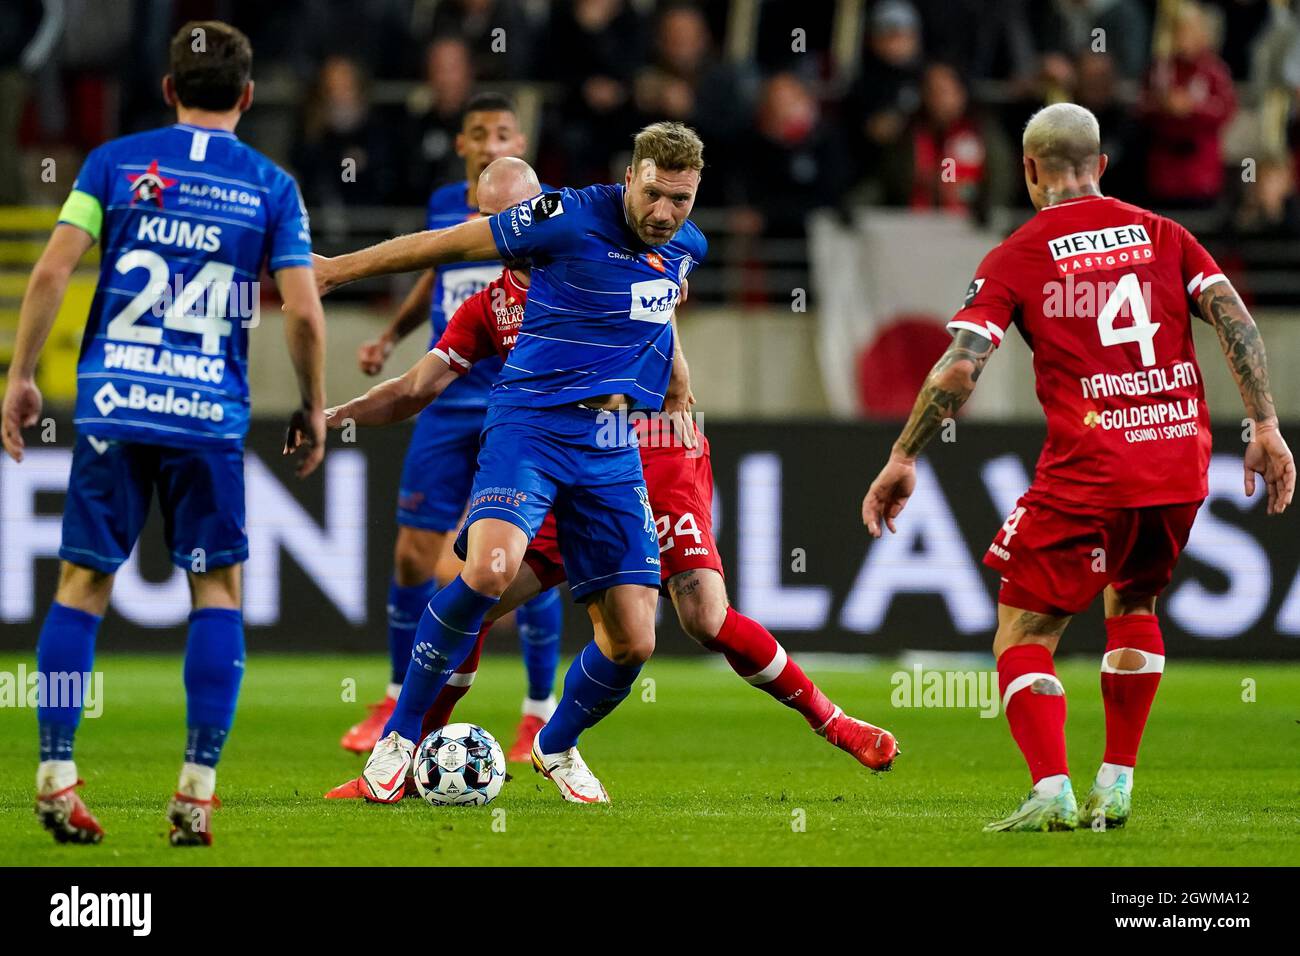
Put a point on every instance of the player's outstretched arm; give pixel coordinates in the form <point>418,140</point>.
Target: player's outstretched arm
<point>304,331</point>
<point>40,307</point>
<point>1267,453</point>
<point>398,398</point>
<point>466,242</point>
<point>949,384</point>
<point>411,314</point>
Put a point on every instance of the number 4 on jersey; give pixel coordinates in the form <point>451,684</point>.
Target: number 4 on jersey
<point>1142,331</point>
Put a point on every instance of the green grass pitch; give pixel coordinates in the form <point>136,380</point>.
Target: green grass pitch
<point>708,772</point>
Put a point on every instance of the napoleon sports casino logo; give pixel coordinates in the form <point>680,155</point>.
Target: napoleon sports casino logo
<point>148,186</point>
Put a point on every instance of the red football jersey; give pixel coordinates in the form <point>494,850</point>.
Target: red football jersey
<point>486,324</point>
<point>1102,292</point>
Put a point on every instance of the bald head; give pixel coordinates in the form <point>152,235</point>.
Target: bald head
<point>1063,138</point>
<point>504,183</point>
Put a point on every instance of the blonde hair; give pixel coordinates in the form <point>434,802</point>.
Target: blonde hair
<point>1063,136</point>
<point>672,146</point>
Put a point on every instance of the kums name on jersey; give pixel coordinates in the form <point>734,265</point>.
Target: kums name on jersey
<point>172,232</point>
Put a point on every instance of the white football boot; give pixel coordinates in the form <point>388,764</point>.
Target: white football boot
<point>384,779</point>
<point>570,773</point>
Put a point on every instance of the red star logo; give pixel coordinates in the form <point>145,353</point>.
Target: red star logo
<point>149,185</point>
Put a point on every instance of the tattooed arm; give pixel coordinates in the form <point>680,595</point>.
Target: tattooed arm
<point>1266,451</point>
<point>947,387</point>
<point>949,384</point>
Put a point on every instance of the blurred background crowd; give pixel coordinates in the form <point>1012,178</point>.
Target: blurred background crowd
<point>802,104</point>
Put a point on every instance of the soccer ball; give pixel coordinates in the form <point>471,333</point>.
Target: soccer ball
<point>459,765</point>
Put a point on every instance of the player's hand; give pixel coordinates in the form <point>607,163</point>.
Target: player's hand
<point>333,419</point>
<point>305,439</point>
<point>677,405</point>
<point>372,355</point>
<point>889,493</point>
<point>22,409</point>
<point>1269,457</point>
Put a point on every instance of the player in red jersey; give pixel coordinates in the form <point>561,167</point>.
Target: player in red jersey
<point>1101,291</point>
<point>679,479</point>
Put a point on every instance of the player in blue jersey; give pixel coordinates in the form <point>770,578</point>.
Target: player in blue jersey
<point>439,467</point>
<point>608,263</point>
<point>187,217</point>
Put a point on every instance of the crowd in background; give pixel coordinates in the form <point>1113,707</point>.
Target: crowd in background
<point>923,112</point>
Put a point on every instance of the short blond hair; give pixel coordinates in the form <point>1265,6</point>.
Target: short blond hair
<point>672,146</point>
<point>1063,136</point>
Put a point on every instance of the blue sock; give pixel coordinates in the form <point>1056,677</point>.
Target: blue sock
<point>66,646</point>
<point>446,634</point>
<point>214,666</point>
<point>405,605</point>
<point>593,687</point>
<point>539,639</point>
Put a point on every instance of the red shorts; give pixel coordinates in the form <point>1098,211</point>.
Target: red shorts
<point>1056,561</point>
<point>680,485</point>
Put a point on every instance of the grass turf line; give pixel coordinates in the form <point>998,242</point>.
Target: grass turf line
<point>709,772</point>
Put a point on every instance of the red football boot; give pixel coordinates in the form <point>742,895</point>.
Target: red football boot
<point>872,747</point>
<point>65,816</point>
<point>522,751</point>
<point>191,820</point>
<point>361,738</point>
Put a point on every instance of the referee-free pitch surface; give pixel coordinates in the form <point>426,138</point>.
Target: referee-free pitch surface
<point>702,770</point>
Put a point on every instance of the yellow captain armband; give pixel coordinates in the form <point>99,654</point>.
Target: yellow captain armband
<point>83,211</point>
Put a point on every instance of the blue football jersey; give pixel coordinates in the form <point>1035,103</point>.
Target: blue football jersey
<point>186,218</point>
<point>453,284</point>
<point>599,303</point>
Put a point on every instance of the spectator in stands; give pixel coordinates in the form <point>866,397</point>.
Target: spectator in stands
<point>1094,85</point>
<point>29,32</point>
<point>887,92</point>
<point>1187,102</point>
<point>1118,27</point>
<point>793,162</point>
<point>1244,21</point>
<point>794,36</point>
<point>1269,208</point>
<point>499,35</point>
<point>593,49</point>
<point>688,81</point>
<point>433,119</point>
<point>342,157</point>
<point>951,157</point>
<point>985,39</point>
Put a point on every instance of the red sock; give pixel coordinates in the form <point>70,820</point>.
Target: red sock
<point>1034,701</point>
<point>755,655</point>
<point>1128,694</point>
<point>457,686</point>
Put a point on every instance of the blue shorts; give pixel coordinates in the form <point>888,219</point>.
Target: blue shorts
<point>200,494</point>
<point>439,468</point>
<point>535,460</point>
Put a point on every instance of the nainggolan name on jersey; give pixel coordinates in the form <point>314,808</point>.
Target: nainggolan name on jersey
<point>1147,381</point>
<point>1106,248</point>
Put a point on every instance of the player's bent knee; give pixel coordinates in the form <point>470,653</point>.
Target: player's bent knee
<point>486,578</point>
<point>702,620</point>
<point>219,587</point>
<point>417,555</point>
<point>632,651</point>
<point>83,588</point>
